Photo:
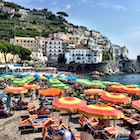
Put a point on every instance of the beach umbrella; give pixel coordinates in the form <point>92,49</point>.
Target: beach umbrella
<point>61,86</point>
<point>31,86</point>
<point>51,92</point>
<point>136,104</point>
<point>132,91</point>
<point>1,78</point>
<point>92,91</point>
<point>37,76</point>
<point>116,88</point>
<point>8,76</point>
<point>70,104</point>
<point>101,111</point>
<point>115,98</point>
<point>54,81</point>
<point>15,90</point>
<point>132,86</point>
<point>108,83</point>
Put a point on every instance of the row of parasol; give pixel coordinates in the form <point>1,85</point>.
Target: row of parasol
<point>115,98</point>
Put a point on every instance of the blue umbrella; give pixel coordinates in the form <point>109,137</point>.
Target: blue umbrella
<point>37,76</point>
<point>48,76</point>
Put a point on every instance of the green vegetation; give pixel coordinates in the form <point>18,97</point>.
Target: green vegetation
<point>107,55</point>
<point>6,47</point>
<point>37,23</point>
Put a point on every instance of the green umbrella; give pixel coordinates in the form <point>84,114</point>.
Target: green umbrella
<point>62,86</point>
<point>54,81</point>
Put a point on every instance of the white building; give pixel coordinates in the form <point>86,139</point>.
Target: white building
<point>83,55</point>
<point>53,49</point>
<point>96,53</point>
<point>119,52</point>
<point>38,56</point>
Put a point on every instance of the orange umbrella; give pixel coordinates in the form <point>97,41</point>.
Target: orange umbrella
<point>51,92</point>
<point>116,98</point>
<point>132,91</point>
<point>68,104</point>
<point>101,111</point>
<point>116,88</point>
<point>136,104</point>
<point>15,90</point>
<point>32,86</point>
<point>91,91</point>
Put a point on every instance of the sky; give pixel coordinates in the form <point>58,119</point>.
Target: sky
<point>119,20</point>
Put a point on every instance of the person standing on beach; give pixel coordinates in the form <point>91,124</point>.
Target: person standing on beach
<point>8,102</point>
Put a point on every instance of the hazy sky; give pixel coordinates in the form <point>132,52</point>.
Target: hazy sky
<point>119,20</point>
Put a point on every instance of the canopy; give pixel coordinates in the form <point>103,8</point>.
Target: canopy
<point>94,91</point>
<point>32,86</point>
<point>15,90</point>
<point>51,92</point>
<point>68,104</point>
<point>136,104</point>
<point>101,111</point>
<point>115,98</point>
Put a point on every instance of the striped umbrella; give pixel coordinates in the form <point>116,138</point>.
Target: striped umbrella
<point>136,104</point>
<point>116,98</point>
<point>101,111</point>
<point>70,104</point>
<point>94,91</point>
<point>32,86</point>
<point>15,90</point>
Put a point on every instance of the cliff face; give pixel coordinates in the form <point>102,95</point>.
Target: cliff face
<point>130,66</point>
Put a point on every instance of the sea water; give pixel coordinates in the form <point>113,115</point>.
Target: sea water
<point>121,78</point>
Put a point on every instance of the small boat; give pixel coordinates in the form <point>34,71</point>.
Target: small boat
<point>95,76</point>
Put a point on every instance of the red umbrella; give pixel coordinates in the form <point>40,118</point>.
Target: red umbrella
<point>68,103</point>
<point>136,104</point>
<point>32,86</point>
<point>116,98</point>
<point>101,111</point>
<point>15,90</point>
<point>94,91</point>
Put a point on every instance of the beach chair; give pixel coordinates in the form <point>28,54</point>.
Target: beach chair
<point>36,123</point>
<point>110,133</point>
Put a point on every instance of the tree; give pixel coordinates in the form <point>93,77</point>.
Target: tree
<point>62,14</point>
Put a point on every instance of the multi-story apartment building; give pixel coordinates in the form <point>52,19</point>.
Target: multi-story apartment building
<point>119,52</point>
<point>83,55</point>
<point>53,49</point>
<point>26,42</point>
<point>96,53</point>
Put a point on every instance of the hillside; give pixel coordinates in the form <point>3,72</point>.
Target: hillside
<point>19,21</point>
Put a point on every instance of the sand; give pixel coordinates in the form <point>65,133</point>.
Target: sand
<point>9,127</point>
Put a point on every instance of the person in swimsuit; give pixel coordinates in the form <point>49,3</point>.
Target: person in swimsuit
<point>132,135</point>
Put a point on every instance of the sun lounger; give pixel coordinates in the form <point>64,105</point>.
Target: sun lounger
<point>110,133</point>
<point>35,122</point>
